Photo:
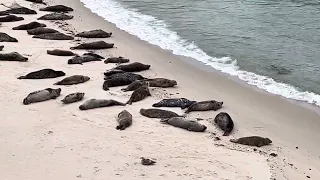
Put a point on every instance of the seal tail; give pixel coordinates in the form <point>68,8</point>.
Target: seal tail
<point>22,77</point>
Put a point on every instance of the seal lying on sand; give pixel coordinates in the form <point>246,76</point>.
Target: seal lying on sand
<point>1,48</point>
<point>120,79</point>
<point>6,38</point>
<point>56,16</point>
<point>71,98</point>
<point>57,8</point>
<point>162,82</point>
<point>113,71</point>
<point>37,1</point>
<point>94,45</point>
<point>99,103</point>
<point>20,10</point>
<point>54,36</point>
<point>175,102</point>
<point>124,120</point>
<point>58,52</point>
<point>205,106</point>
<point>224,122</point>
<point>252,141</point>
<point>133,86</point>
<point>29,26</point>
<point>94,55</point>
<point>42,95</point>
<point>3,13</point>
<point>82,59</point>
<point>43,74</point>
<point>13,56</point>
<point>11,18</point>
<point>184,124</point>
<point>99,33</point>
<point>133,67</point>
<point>41,30</point>
<point>118,60</point>
<point>140,93</point>
<point>158,113</point>
<point>75,79</point>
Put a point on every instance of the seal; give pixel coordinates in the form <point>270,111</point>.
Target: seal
<point>158,113</point>
<point>174,102</point>
<point>252,141</point>
<point>43,74</point>
<point>42,95</point>
<point>6,38</point>
<point>99,103</point>
<point>1,48</point>
<point>224,122</point>
<point>133,67</point>
<point>57,8</point>
<point>183,123</point>
<point>37,1</point>
<point>54,36</point>
<point>94,45</point>
<point>98,33</point>
<point>74,97</point>
<point>29,26</point>
<point>3,13</point>
<point>13,56</point>
<point>20,10</point>
<point>113,71</point>
<point>134,85</point>
<point>124,120</point>
<point>162,82</point>
<point>118,60</point>
<point>11,18</point>
<point>71,80</point>
<point>147,162</point>
<point>41,30</point>
<point>139,94</point>
<point>58,52</point>
<point>94,55</point>
<point>56,16</point>
<point>205,106</point>
<point>120,79</point>
<point>82,59</point>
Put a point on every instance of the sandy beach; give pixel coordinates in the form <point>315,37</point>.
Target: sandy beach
<point>50,140</point>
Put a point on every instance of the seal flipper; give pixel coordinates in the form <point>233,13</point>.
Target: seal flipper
<point>165,120</point>
<point>120,127</point>
<point>22,77</point>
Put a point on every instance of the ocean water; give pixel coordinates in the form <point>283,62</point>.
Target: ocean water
<point>271,44</point>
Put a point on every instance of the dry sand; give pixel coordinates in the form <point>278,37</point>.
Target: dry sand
<point>49,140</point>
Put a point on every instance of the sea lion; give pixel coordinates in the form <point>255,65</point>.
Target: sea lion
<point>113,71</point>
<point>56,16</point>
<point>158,113</point>
<point>184,124</point>
<point>139,94</point>
<point>224,122</point>
<point>71,80</point>
<point>147,162</point>
<point>94,45</point>
<point>175,102</point>
<point>29,26</point>
<point>1,48</point>
<point>205,106</point>
<point>94,55</point>
<point>41,30</point>
<point>43,74</point>
<point>37,1</point>
<point>118,60</point>
<point>124,120</point>
<point>99,103</point>
<point>6,38</point>
<point>21,10</point>
<point>11,18</point>
<point>252,141</point>
<point>120,79</point>
<point>162,82</point>
<point>82,59</point>
<point>57,8</point>
<point>13,56</point>
<point>133,86</point>
<point>94,34</point>
<point>71,98</point>
<point>42,95</point>
<point>133,67</point>
<point>58,52</point>
<point>54,36</point>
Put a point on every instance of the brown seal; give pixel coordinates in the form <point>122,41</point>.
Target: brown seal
<point>99,103</point>
<point>11,18</point>
<point>58,52</point>
<point>37,1</point>
<point>82,59</point>
<point>94,55</point>
<point>6,38</point>
<point>162,82</point>
<point>99,33</point>
<point>174,102</point>
<point>139,94</point>
<point>42,95</point>
<point>74,97</point>
<point>183,123</point>
<point>252,141</point>
<point>75,79</point>
<point>118,60</point>
<point>57,8</point>
<point>54,36</point>
<point>94,45</point>
<point>41,30</point>
<point>13,56</point>
<point>205,106</point>
<point>158,113</point>
<point>133,67</point>
<point>56,16</point>
<point>224,122</point>
<point>43,74</point>
<point>29,26</point>
<point>124,120</point>
<point>20,10</point>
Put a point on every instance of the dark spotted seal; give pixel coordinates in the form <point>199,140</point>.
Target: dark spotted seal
<point>57,8</point>
<point>99,33</point>
<point>58,52</point>
<point>174,102</point>
<point>54,36</point>
<point>42,95</point>
<point>224,122</point>
<point>11,18</point>
<point>134,85</point>
<point>120,79</point>
<point>41,30</point>
<point>21,10</point>
<point>252,141</point>
<point>118,60</point>
<point>13,56</point>
<point>37,1</point>
<point>74,97</point>
<point>75,79</point>
<point>94,45</point>
<point>139,94</point>
<point>82,59</point>
<point>6,38</point>
<point>29,26</point>
<point>205,106</point>
<point>183,123</point>
<point>94,55</point>
<point>99,103</point>
<point>56,16</point>
<point>124,120</point>
<point>162,82</point>
<point>43,74</point>
<point>158,113</point>
<point>133,67</point>
<point>1,48</point>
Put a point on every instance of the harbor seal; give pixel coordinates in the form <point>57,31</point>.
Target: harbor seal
<point>94,45</point>
<point>252,141</point>
<point>20,10</point>
<point>29,26</point>
<point>13,56</point>
<point>224,122</point>
<point>99,103</point>
<point>6,38</point>
<point>57,8</point>
<point>133,86</point>
<point>133,67</point>
<point>73,97</point>
<point>94,55</point>
<point>162,82</point>
<point>1,48</point>
<point>124,120</point>
<point>174,102</point>
<point>99,33</point>
<point>58,52</point>
<point>71,80</point>
<point>11,18</point>
<point>158,113</point>
<point>205,106</point>
<point>183,123</point>
<point>37,1</point>
<point>41,30</point>
<point>120,79</point>
<point>82,59</point>
<point>113,71</point>
<point>3,13</point>
<point>118,60</point>
<point>43,74</point>
<point>56,17</point>
<point>139,94</point>
<point>42,95</point>
<point>54,36</point>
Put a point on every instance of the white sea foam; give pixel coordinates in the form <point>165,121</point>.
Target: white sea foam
<point>155,31</point>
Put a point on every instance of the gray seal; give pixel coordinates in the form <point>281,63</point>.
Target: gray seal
<point>6,38</point>
<point>56,16</point>
<point>205,106</point>
<point>1,47</point>
<point>183,123</point>
<point>42,95</point>
<point>118,60</point>
<point>113,71</point>
<point>252,141</point>
<point>139,94</point>
<point>11,18</point>
<point>124,120</point>
<point>134,85</point>
<point>29,26</point>
<point>41,30</point>
<point>120,79</point>
<point>158,113</point>
<point>162,82</point>
<point>73,97</point>
<point>58,52</point>
<point>99,33</point>
<point>94,45</point>
<point>99,103</point>
<point>75,79</point>
<point>43,74</point>
<point>224,122</point>
<point>82,59</point>
<point>54,36</point>
<point>20,10</point>
<point>37,1</point>
<point>57,8</point>
<point>13,56</point>
<point>174,102</point>
<point>133,67</point>
<point>94,55</point>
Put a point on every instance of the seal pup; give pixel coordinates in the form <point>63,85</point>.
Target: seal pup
<point>99,33</point>
<point>11,18</point>
<point>73,97</point>
<point>37,1</point>
<point>56,16</point>
<point>42,95</point>
<point>71,80</point>
<point>133,86</point>
<point>29,26</point>
<point>94,55</point>
<point>139,94</point>
<point>13,56</point>
<point>94,45</point>
<point>20,10</point>
<point>162,82</point>
<point>54,36</point>
<point>133,67</point>
<point>120,79</point>
<point>43,74</point>
<point>57,8</point>
<point>224,122</point>
<point>118,60</point>
<point>99,103</point>
<point>183,123</point>
<point>205,106</point>
<point>1,48</point>
<point>6,38</point>
<point>124,120</point>
<point>174,102</point>
<point>252,141</point>
<point>82,59</point>
<point>58,52</point>
<point>41,30</point>
<point>158,113</point>
<point>147,162</point>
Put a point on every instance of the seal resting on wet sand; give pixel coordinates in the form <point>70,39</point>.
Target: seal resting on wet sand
<point>124,120</point>
<point>133,67</point>
<point>139,94</point>
<point>71,80</point>
<point>118,60</point>
<point>224,122</point>
<point>6,38</point>
<point>82,59</point>
<point>99,33</point>
<point>11,18</point>
<point>252,141</point>
<point>20,10</point>
<point>54,36</point>
<point>43,74</point>
<point>56,16</point>
<point>37,1</point>
<point>41,30</point>
<point>94,55</point>
<point>1,48</point>
<point>57,8</point>
<point>29,26</point>
<point>42,95</point>
<point>158,113</point>
<point>205,106</point>
<point>94,45</point>
<point>99,103</point>
<point>120,79</point>
<point>174,102</point>
<point>183,123</point>
<point>58,52</point>
<point>74,97</point>
<point>162,82</point>
<point>13,56</point>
